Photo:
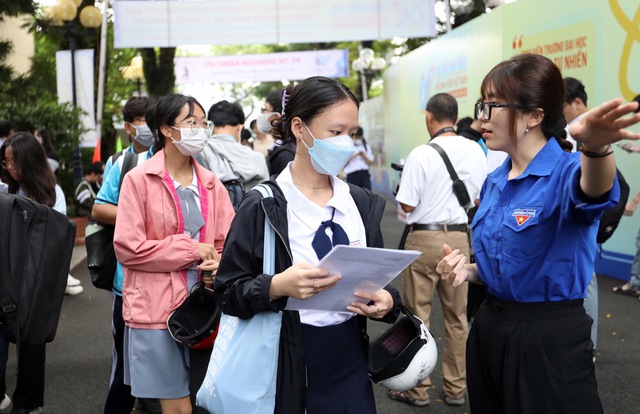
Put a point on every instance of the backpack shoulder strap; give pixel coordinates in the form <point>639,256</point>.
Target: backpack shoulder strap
<point>130,161</point>
<point>269,255</point>
<point>370,212</point>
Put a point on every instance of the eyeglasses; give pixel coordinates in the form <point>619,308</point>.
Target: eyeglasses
<point>483,109</point>
<point>197,126</point>
<point>8,164</point>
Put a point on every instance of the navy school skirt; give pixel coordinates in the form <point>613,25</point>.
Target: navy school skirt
<point>337,370</point>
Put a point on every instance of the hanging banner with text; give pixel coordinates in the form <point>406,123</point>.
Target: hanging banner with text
<point>262,68</point>
<point>169,23</point>
<point>83,84</point>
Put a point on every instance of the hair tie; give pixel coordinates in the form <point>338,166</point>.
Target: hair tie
<point>285,100</point>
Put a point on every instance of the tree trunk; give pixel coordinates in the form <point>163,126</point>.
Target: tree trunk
<point>159,70</point>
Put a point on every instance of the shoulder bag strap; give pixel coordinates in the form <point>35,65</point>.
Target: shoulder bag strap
<point>445,158</point>
<point>269,255</point>
<point>454,177</point>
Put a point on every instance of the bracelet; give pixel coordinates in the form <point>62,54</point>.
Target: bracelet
<point>591,154</point>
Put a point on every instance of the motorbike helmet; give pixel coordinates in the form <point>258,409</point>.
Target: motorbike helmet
<point>404,355</point>
<point>194,323</point>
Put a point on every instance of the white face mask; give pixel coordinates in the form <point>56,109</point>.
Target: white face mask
<point>357,141</point>
<point>190,144</point>
<point>262,122</point>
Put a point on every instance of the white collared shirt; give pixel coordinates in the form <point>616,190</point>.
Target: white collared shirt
<point>304,217</point>
<point>427,186</point>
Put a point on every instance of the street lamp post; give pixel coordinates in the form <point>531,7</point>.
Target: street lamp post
<point>367,65</point>
<point>63,14</point>
<point>134,72</point>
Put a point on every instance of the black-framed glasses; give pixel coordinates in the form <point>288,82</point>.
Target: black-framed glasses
<point>483,109</point>
<point>197,126</point>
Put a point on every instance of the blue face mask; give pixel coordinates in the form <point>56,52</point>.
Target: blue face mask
<point>330,155</point>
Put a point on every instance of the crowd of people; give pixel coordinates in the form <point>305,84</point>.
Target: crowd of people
<point>192,219</point>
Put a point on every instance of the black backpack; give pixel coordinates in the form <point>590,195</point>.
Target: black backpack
<point>101,257</point>
<point>36,243</point>
<point>611,217</point>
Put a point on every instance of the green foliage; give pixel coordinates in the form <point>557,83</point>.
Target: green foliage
<point>16,7</point>
<point>30,108</point>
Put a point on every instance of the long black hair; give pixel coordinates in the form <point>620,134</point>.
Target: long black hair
<point>34,173</point>
<point>308,99</point>
<point>165,112</point>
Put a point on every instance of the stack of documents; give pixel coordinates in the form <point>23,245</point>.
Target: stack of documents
<point>363,269</point>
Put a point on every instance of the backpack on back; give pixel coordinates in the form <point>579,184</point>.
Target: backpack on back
<point>611,217</point>
<point>36,243</point>
<point>236,192</point>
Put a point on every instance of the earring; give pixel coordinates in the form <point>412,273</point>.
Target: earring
<point>526,130</point>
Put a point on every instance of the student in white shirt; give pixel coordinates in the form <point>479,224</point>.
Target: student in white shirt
<point>322,363</point>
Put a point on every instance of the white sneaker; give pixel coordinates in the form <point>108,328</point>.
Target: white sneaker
<point>73,290</point>
<point>5,404</point>
<point>72,281</point>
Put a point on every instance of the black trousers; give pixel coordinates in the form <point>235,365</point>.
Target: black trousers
<point>119,398</point>
<point>361,178</point>
<point>531,358</point>
<point>29,392</point>
<point>198,364</point>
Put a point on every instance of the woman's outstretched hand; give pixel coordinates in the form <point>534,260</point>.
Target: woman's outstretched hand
<point>605,124</point>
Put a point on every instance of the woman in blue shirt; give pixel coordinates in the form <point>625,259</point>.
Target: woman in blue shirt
<point>534,237</point>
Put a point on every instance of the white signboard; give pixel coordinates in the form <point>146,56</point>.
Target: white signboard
<point>168,23</point>
<point>84,89</point>
<point>262,68</point>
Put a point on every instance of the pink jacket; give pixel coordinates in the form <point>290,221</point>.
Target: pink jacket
<point>150,243</point>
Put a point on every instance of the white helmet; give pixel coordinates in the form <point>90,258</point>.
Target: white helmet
<point>404,355</point>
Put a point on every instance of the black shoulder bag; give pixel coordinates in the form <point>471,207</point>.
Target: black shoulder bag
<point>459,189</point>
<point>101,258</point>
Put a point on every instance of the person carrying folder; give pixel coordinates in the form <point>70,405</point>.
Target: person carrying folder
<point>322,363</point>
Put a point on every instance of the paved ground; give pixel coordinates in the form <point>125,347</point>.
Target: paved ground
<point>78,361</point>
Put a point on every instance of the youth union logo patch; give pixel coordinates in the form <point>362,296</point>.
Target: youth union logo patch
<point>522,215</point>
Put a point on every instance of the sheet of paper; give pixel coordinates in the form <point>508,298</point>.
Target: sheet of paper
<point>365,269</point>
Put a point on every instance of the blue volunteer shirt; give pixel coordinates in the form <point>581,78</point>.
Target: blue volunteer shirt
<point>110,193</point>
<point>534,237</point>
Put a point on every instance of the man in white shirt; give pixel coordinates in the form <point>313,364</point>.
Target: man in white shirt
<point>575,107</point>
<point>435,217</point>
